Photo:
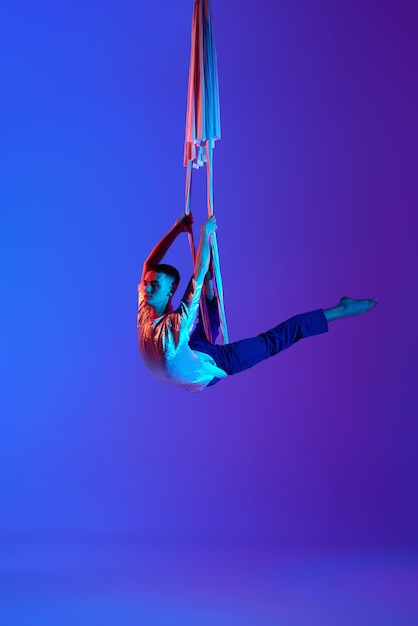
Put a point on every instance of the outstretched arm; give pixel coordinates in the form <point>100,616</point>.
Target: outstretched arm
<point>183,224</point>
<point>203,254</point>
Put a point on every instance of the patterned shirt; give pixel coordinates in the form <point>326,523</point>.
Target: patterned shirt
<point>164,343</point>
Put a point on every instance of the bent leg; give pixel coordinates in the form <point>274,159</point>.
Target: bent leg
<point>241,355</point>
<point>198,336</point>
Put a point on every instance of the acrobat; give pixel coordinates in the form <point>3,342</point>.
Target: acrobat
<point>176,353</point>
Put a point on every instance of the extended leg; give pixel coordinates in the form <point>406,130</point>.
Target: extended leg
<point>241,355</point>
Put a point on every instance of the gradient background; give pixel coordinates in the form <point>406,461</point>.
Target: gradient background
<point>316,197</point>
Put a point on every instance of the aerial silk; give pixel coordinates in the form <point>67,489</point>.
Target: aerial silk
<point>203,128</point>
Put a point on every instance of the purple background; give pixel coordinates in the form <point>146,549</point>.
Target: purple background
<point>316,197</point>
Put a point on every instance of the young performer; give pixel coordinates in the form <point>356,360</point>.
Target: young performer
<point>175,353</point>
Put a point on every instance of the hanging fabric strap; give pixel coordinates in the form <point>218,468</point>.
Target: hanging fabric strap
<point>203,128</point>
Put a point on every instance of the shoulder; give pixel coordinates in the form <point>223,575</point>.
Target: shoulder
<point>193,290</point>
<point>190,296</point>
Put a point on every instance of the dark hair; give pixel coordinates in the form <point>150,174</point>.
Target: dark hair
<point>168,270</point>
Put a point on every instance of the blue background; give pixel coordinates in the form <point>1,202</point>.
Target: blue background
<point>316,197</point>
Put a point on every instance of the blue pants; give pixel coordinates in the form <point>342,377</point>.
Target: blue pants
<point>241,355</point>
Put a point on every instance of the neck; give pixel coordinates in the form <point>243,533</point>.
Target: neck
<point>163,308</point>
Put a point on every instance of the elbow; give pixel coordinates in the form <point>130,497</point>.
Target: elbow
<point>198,271</point>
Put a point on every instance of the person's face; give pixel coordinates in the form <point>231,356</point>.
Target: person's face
<point>157,289</point>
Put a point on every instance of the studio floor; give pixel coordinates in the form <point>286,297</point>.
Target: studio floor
<point>82,582</point>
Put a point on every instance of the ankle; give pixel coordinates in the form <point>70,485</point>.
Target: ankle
<point>333,313</point>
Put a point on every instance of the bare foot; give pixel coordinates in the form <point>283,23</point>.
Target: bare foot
<point>349,306</point>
